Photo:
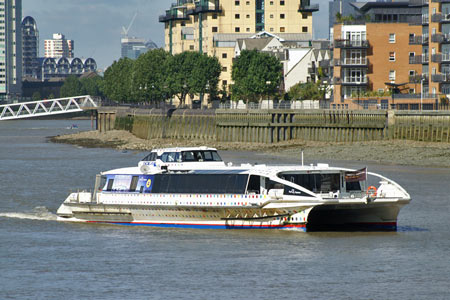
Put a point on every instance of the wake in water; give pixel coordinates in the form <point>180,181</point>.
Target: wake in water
<point>38,213</point>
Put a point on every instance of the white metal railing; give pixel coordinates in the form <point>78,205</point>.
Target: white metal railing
<point>45,107</point>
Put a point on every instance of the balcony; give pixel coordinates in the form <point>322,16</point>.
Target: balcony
<point>441,58</point>
<point>419,2</point>
<point>352,62</point>
<point>305,6</point>
<point>418,59</point>
<point>355,44</point>
<point>205,7</point>
<point>418,40</point>
<point>441,78</point>
<point>348,81</point>
<point>440,18</point>
<point>174,14</point>
<point>440,38</point>
<point>418,78</point>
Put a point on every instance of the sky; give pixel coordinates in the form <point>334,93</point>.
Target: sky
<point>96,25</point>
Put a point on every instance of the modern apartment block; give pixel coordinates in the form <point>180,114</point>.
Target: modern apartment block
<point>435,54</point>
<point>379,53</point>
<point>59,46</point>
<point>10,48</point>
<point>30,48</point>
<point>213,26</point>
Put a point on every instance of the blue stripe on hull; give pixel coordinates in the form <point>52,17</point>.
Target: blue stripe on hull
<point>208,226</point>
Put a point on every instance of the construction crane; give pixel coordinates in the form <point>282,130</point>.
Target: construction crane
<point>125,30</point>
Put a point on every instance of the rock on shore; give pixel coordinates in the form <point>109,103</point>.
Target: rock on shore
<point>387,152</point>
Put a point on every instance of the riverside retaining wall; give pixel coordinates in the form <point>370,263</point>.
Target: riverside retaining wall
<point>272,126</point>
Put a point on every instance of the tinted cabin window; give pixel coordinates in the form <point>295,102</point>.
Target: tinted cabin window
<point>170,157</point>
<point>254,184</point>
<point>110,185</point>
<point>200,183</point>
<point>150,157</point>
<point>315,182</point>
<point>134,182</point>
<point>353,186</point>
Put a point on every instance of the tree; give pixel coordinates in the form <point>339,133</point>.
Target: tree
<point>149,76</point>
<point>93,85</point>
<point>308,91</point>
<point>190,73</point>
<point>72,87</point>
<point>255,74</point>
<point>117,80</point>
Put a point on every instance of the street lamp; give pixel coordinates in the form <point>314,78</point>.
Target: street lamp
<point>421,91</point>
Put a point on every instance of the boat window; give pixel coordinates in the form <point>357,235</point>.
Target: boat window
<point>134,182</point>
<point>150,157</point>
<point>353,186</point>
<point>270,184</point>
<point>200,183</point>
<point>170,157</point>
<point>254,184</point>
<point>215,156</point>
<point>315,182</point>
<point>110,184</point>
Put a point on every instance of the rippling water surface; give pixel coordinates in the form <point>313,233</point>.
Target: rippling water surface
<point>44,259</point>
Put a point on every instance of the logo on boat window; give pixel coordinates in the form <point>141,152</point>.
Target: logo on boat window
<point>149,183</point>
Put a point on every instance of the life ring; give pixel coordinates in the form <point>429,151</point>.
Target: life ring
<point>371,191</point>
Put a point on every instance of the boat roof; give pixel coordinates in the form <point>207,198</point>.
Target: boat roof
<point>259,169</point>
<point>179,149</point>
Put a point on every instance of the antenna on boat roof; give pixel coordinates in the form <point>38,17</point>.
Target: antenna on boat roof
<point>302,157</point>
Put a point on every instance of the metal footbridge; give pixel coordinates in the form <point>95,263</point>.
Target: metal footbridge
<point>49,107</point>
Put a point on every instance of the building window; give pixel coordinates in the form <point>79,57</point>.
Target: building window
<point>305,29</point>
<point>191,47</point>
<point>224,69</point>
<point>392,75</point>
<point>304,16</point>
<point>391,38</point>
<point>271,16</point>
<point>271,2</point>
<point>224,83</point>
<point>236,3</point>
<point>282,2</point>
<point>248,2</point>
<point>412,72</point>
<point>281,29</point>
<point>237,29</point>
<point>391,56</point>
<point>214,29</point>
<point>271,29</point>
<point>412,91</point>
<point>224,55</point>
<point>248,29</point>
<point>247,16</point>
<point>281,16</point>
<point>214,16</point>
<point>237,16</point>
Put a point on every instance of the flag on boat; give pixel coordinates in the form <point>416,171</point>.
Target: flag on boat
<point>358,175</point>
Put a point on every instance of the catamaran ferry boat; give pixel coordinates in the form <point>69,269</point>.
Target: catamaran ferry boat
<point>194,188</point>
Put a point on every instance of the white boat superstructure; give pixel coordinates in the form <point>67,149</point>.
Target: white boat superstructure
<point>194,188</point>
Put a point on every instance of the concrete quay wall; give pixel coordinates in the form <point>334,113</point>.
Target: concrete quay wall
<point>272,126</point>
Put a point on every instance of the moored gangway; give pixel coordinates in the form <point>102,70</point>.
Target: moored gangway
<point>47,107</point>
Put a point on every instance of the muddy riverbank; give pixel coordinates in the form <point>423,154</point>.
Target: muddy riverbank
<point>386,152</point>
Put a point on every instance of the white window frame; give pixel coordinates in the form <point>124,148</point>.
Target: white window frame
<point>392,75</point>
<point>393,59</point>
<point>392,38</point>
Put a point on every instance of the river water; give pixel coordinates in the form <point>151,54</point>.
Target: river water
<point>44,259</point>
